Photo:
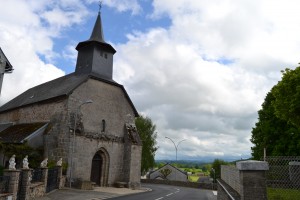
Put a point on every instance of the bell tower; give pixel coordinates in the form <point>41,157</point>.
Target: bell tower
<point>95,56</point>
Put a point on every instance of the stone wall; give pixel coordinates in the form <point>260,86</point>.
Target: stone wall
<point>20,184</point>
<point>54,112</point>
<point>135,166</point>
<point>37,190</point>
<point>208,186</point>
<point>231,175</point>
<point>86,148</point>
<point>38,112</point>
<point>249,183</point>
<point>109,104</point>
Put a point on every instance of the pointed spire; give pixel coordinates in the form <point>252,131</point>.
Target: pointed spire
<point>97,34</point>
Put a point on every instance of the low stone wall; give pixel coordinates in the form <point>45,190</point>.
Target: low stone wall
<point>208,186</point>
<point>246,181</point>
<point>225,192</point>
<point>5,196</point>
<point>20,184</point>
<point>231,175</point>
<point>37,190</point>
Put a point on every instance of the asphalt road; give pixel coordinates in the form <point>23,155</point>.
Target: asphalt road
<point>167,192</point>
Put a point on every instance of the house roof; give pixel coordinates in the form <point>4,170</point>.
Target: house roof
<point>8,66</point>
<point>19,132</point>
<point>60,87</point>
<point>168,164</point>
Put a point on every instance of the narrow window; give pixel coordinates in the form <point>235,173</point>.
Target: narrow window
<point>103,125</point>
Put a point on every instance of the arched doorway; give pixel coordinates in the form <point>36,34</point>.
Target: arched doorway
<point>100,166</point>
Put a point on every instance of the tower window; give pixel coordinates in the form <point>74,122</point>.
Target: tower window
<point>105,55</point>
<point>103,125</point>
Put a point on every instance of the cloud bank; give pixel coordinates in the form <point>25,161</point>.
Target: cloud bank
<point>202,78</point>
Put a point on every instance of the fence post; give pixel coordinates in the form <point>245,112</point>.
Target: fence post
<point>253,179</point>
<point>294,172</point>
<point>25,184</point>
<point>14,176</point>
<point>45,176</point>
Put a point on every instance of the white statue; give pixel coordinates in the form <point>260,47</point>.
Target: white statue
<point>25,162</point>
<point>44,163</point>
<point>12,163</point>
<point>59,162</point>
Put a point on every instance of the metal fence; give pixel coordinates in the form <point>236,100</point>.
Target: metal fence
<point>4,183</point>
<point>283,177</point>
<point>37,175</point>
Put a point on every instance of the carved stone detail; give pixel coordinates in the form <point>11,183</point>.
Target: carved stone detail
<point>132,133</point>
<point>104,137</point>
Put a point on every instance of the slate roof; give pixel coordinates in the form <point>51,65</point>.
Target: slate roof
<point>168,164</point>
<point>97,37</point>
<point>60,87</point>
<point>17,133</point>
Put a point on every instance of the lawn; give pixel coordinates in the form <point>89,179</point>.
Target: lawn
<point>193,178</point>
<point>283,194</point>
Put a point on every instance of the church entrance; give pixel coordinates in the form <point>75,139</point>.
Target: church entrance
<point>100,167</point>
<point>96,168</point>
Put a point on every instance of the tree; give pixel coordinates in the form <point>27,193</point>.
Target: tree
<point>216,168</point>
<point>273,130</point>
<point>287,97</point>
<point>146,129</point>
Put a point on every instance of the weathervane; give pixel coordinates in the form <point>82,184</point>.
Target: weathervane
<point>100,6</point>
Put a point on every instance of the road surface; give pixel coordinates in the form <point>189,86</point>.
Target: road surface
<point>168,192</point>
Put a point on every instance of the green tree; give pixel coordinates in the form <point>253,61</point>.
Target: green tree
<point>146,129</point>
<point>274,131</point>
<point>287,97</point>
<point>216,168</point>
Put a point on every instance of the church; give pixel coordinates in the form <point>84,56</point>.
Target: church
<point>85,118</point>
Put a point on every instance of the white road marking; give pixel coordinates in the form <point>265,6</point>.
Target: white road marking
<point>169,194</point>
<point>159,198</point>
<point>215,193</point>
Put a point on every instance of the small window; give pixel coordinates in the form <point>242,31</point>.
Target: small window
<point>105,55</point>
<point>103,125</point>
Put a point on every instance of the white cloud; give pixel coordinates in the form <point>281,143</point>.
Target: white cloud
<point>27,31</point>
<point>201,79</point>
<point>122,5</point>
<point>180,77</point>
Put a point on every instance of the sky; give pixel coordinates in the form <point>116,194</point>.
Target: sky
<point>199,69</point>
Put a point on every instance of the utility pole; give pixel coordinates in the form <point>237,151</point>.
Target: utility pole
<point>176,146</point>
<point>176,149</point>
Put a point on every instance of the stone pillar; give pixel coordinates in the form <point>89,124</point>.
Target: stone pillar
<point>45,176</point>
<point>25,184</point>
<point>14,176</point>
<point>252,179</point>
<point>294,172</point>
<point>60,177</point>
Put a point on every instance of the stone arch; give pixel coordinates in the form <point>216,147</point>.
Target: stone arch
<point>100,167</point>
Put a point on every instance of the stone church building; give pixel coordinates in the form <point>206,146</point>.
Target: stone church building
<point>85,117</point>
